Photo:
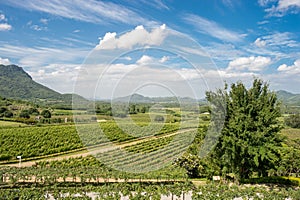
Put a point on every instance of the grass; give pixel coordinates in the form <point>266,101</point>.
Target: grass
<point>11,124</point>
<point>291,133</point>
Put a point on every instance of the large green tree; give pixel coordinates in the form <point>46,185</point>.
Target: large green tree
<point>249,141</point>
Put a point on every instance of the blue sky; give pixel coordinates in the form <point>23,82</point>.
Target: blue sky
<point>53,41</point>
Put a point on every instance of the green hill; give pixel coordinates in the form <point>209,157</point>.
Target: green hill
<point>15,83</point>
<point>288,98</point>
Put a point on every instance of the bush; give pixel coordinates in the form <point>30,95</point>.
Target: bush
<point>3,109</point>
<point>46,114</point>
<point>33,111</point>
<point>272,179</point>
<point>8,114</point>
<point>293,121</point>
<point>24,114</point>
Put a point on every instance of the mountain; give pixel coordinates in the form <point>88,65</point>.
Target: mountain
<point>288,98</point>
<point>15,83</point>
<point>137,98</point>
<point>134,98</point>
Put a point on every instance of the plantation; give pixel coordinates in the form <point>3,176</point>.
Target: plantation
<point>40,141</point>
<point>154,155</point>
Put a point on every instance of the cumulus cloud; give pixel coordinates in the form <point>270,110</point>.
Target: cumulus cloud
<point>4,61</point>
<point>2,17</point>
<point>138,36</point>
<point>145,60</point>
<point>164,59</point>
<point>4,26</point>
<point>293,69</point>
<point>251,63</point>
<point>260,43</point>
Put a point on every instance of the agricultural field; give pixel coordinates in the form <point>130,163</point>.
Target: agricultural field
<point>96,158</point>
<point>6,124</point>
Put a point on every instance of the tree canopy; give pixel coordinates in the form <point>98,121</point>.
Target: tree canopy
<point>249,141</point>
<point>46,114</point>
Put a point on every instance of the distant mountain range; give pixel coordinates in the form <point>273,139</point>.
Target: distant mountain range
<point>138,98</point>
<point>15,83</point>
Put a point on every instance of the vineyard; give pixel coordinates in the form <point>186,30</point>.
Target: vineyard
<point>129,161</point>
<point>32,142</point>
<point>87,177</point>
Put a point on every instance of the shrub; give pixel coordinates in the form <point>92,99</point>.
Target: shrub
<point>293,121</point>
<point>24,114</point>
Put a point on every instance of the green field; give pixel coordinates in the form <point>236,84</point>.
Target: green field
<point>140,144</point>
<point>11,124</point>
<point>291,133</point>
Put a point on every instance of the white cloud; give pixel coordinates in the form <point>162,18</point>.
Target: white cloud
<point>41,56</point>
<point>158,4</point>
<point>260,43</point>
<point>89,11</point>
<point>138,36</point>
<point>44,21</point>
<point>4,61</point>
<point>36,27</point>
<point>223,52</point>
<point>265,2</point>
<point>283,7</point>
<point>128,58</point>
<point>263,22</point>
<point>145,60</point>
<point>276,39</point>
<point>5,27</point>
<point>251,63</point>
<point>164,59</point>
<point>58,76</point>
<point>2,17</point>
<point>293,69</point>
<point>212,28</point>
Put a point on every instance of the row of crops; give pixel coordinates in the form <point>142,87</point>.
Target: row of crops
<point>150,155</point>
<point>149,146</point>
<point>39,141</point>
<point>184,191</point>
<point>82,169</point>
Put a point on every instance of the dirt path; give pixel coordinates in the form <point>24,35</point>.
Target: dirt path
<point>97,150</point>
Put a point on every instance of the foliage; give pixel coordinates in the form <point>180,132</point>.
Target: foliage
<point>150,145</point>
<point>46,114</point>
<point>293,121</point>
<point>33,111</point>
<point>290,160</point>
<point>37,141</point>
<point>250,141</point>
<point>8,114</point>
<point>24,114</point>
<point>271,179</point>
